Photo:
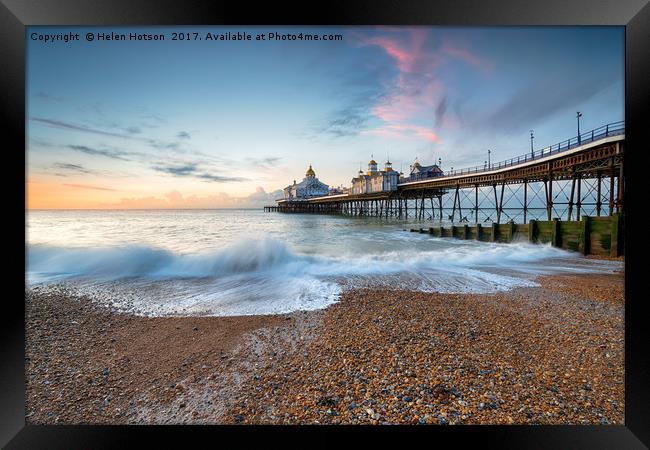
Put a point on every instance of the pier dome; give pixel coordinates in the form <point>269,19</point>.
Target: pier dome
<point>372,167</point>
<point>309,187</point>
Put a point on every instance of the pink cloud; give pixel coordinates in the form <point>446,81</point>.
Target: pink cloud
<point>412,94</point>
<point>405,131</point>
<point>408,55</point>
<point>417,89</point>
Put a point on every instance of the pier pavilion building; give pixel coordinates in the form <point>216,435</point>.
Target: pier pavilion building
<point>309,187</point>
<point>375,180</point>
<point>420,172</point>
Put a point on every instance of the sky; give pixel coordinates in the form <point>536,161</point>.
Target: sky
<point>225,123</point>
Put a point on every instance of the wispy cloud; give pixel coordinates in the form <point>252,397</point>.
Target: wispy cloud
<point>462,52</point>
<point>183,135</point>
<point>86,186</point>
<point>441,110</point>
<point>47,96</point>
<point>76,127</point>
<point>188,169</point>
<point>192,170</point>
<point>219,178</point>
<point>352,118</point>
<point>108,153</point>
<point>163,145</point>
<point>71,168</point>
<point>346,122</point>
<point>527,107</point>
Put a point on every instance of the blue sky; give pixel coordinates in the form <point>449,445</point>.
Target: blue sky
<point>227,123</point>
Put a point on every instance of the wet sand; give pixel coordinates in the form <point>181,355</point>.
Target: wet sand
<point>544,355</point>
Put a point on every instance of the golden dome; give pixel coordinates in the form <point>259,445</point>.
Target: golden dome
<point>372,161</point>
<point>416,164</point>
<point>310,172</point>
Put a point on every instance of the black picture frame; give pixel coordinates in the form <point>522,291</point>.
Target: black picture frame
<point>15,15</point>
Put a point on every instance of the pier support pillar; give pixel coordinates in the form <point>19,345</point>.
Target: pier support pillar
<point>495,231</point>
<point>465,231</point>
<point>479,232</point>
<point>585,235</point>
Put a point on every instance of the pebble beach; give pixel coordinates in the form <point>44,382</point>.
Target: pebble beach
<point>552,354</point>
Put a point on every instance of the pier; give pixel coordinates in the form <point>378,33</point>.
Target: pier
<point>578,177</point>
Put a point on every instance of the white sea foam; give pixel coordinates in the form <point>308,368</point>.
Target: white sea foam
<point>266,276</point>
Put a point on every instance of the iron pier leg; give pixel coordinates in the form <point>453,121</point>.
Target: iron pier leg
<point>525,199</point>
<point>503,185</point>
<point>548,186</point>
<point>579,192</point>
<point>476,203</point>
<point>496,201</point>
<point>611,186</point>
<point>573,188</point>
<point>599,202</point>
<point>453,211</point>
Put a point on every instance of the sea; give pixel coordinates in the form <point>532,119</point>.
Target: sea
<point>230,262</point>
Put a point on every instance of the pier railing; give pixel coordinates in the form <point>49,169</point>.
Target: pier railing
<point>611,129</point>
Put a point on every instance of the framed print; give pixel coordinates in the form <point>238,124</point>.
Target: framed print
<point>256,222</point>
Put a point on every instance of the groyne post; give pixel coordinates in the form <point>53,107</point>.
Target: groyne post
<point>589,236</point>
<point>615,241</point>
<point>532,229</point>
<point>555,232</point>
<point>585,235</point>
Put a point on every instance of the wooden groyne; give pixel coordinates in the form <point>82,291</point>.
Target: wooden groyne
<point>590,236</point>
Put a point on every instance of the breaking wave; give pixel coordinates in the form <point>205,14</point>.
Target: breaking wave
<point>264,276</point>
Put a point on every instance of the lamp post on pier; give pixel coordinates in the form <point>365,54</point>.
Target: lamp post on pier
<point>578,116</point>
<point>488,161</point>
<point>532,136</point>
